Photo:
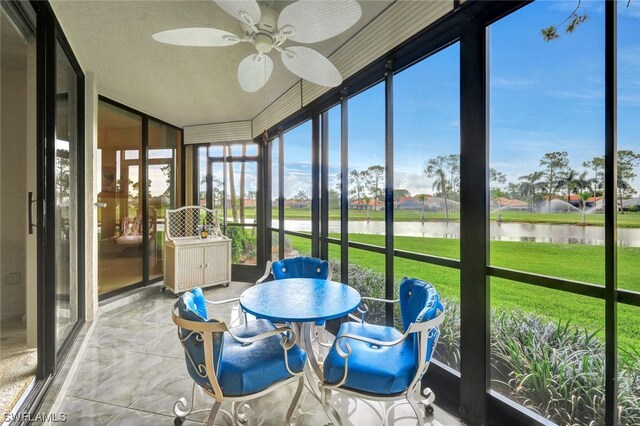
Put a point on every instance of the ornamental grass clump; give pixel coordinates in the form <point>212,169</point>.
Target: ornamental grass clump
<point>557,369</point>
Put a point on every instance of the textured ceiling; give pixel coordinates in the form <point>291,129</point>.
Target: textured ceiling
<point>181,85</point>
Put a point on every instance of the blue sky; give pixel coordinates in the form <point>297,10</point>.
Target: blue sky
<point>544,96</point>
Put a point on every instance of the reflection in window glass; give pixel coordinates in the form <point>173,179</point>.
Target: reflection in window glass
<point>163,173</point>
<point>547,144</point>
<point>547,351</point>
<point>66,198</point>
<point>427,154</point>
<point>366,161</point>
<point>120,248</point>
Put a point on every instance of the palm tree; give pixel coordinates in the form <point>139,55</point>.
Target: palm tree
<point>440,184</point>
<point>570,179</point>
<point>530,184</point>
<point>578,186</point>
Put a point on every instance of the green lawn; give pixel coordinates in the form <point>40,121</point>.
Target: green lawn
<point>573,261</point>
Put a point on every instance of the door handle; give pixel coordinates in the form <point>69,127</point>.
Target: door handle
<point>31,224</point>
<point>101,205</point>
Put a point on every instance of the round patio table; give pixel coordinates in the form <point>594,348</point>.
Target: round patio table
<point>302,302</point>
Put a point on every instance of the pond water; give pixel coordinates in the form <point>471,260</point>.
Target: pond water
<point>532,232</point>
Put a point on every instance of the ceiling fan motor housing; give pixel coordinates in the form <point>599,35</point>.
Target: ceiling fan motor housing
<point>263,43</point>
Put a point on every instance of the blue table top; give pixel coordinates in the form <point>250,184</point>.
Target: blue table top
<point>300,300</point>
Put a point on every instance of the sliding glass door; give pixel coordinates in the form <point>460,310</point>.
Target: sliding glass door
<point>139,163</point>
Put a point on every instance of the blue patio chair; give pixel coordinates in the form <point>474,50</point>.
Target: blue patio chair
<point>297,267</point>
<point>237,364</point>
<point>380,363</point>
<point>301,267</point>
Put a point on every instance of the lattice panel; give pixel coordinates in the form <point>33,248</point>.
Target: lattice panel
<point>187,222</point>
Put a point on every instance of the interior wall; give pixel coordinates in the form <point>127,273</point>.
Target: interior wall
<point>13,186</point>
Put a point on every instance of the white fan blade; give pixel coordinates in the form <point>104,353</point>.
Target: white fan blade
<point>311,65</point>
<point>201,37</point>
<point>317,20</point>
<point>245,10</point>
<point>254,71</point>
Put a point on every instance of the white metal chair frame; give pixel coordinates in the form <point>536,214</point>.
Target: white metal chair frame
<point>424,331</point>
<point>241,411</point>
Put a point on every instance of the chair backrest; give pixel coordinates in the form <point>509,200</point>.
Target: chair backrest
<point>419,301</point>
<point>191,306</point>
<point>300,267</point>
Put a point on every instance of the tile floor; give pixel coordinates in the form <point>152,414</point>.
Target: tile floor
<point>133,370</point>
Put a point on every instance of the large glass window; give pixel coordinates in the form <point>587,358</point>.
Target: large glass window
<point>121,220</point>
<point>228,179</point>
<point>366,163</point>
<point>297,184</point>
<point>427,154</point>
<point>546,190</point>
<point>628,209</point>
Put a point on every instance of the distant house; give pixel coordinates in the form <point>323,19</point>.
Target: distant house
<point>509,204</point>
<point>594,202</point>
<point>297,204</point>
<point>363,205</point>
<point>414,203</point>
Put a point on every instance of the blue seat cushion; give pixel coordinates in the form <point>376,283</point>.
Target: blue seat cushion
<point>247,369</point>
<point>374,370</point>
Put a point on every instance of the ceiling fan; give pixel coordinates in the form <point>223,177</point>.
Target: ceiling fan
<point>304,21</point>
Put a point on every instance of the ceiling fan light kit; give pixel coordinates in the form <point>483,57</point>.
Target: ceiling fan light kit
<point>304,21</point>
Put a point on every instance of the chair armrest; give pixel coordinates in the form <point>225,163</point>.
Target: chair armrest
<point>363,308</point>
<point>280,330</point>
<point>375,299</point>
<point>372,341</point>
<point>266,273</point>
<point>221,302</point>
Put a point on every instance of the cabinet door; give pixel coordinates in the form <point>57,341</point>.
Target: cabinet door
<point>216,261</point>
<point>189,268</point>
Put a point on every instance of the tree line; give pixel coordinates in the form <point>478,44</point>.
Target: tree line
<point>555,178</point>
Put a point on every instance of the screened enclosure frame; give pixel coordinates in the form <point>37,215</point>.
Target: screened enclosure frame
<point>466,392</point>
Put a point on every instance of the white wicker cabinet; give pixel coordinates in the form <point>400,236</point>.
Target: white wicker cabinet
<point>191,261</point>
